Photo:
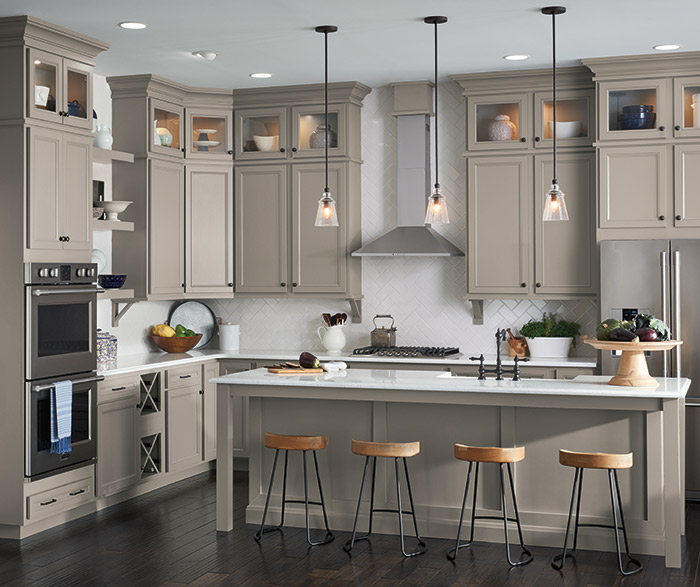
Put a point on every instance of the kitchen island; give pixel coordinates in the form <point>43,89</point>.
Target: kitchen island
<point>584,414</point>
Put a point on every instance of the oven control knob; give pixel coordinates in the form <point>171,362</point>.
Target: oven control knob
<point>53,272</point>
<point>90,272</point>
<point>43,272</point>
<point>80,272</point>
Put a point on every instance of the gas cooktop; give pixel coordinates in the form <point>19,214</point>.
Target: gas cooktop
<point>407,351</point>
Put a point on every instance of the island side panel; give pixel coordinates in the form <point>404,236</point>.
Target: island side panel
<point>672,413</point>
<point>224,458</point>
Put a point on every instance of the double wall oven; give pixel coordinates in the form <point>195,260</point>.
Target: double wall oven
<point>60,337</point>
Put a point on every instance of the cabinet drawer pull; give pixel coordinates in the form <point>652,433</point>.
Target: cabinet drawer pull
<point>185,376</point>
<point>48,502</point>
<point>122,388</point>
<point>72,493</point>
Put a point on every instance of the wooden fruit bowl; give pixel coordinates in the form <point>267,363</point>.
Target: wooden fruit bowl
<point>632,370</point>
<point>176,344</point>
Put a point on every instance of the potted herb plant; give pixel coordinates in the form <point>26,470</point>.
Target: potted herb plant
<point>550,337</point>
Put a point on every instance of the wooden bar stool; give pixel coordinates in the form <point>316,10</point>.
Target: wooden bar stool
<point>395,450</point>
<point>594,460</point>
<point>298,443</point>
<point>502,456</point>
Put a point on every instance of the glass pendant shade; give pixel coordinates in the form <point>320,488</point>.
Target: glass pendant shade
<point>555,205</point>
<point>326,214</point>
<point>437,209</point>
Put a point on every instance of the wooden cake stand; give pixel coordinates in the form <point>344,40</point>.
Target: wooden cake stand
<point>632,370</point>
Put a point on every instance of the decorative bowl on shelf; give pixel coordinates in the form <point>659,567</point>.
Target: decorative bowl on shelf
<point>111,281</point>
<point>566,130</point>
<point>97,211</point>
<point>114,207</point>
<point>265,143</point>
<point>176,344</point>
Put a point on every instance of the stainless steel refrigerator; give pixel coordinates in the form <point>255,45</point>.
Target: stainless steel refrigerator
<point>660,277</point>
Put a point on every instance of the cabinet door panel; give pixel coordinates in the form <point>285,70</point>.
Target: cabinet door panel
<point>77,193</point>
<point>633,187</point>
<point>184,427</point>
<point>45,164</point>
<point>269,125</point>
<point>77,94</point>
<point>499,225</point>
<point>45,91</point>
<point>209,223</point>
<point>117,446</point>
<point>319,254</point>
<point>687,192</point>
<point>261,229</point>
<point>209,411</point>
<point>564,251</point>
<point>240,410</point>
<point>166,228</point>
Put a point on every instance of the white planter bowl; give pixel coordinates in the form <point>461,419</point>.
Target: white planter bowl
<point>549,347</point>
<point>566,130</point>
<point>114,207</point>
<point>265,143</point>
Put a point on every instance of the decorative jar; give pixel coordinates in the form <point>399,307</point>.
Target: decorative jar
<point>502,129</point>
<point>333,338</point>
<point>106,347</point>
<point>103,137</point>
<point>317,139</point>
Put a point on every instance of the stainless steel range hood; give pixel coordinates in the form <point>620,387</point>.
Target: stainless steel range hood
<point>412,237</point>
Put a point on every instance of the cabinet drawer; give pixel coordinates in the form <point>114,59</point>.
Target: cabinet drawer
<point>183,376</point>
<point>60,499</point>
<point>117,388</point>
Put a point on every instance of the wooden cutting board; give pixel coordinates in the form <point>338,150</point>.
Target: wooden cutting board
<point>293,370</point>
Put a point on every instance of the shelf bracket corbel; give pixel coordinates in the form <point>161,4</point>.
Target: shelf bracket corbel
<point>118,314</point>
<point>356,309</point>
<point>477,311</point>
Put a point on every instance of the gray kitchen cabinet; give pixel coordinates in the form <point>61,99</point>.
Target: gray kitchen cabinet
<point>240,407</point>
<point>60,185</point>
<point>166,223</point>
<point>117,450</point>
<point>209,371</point>
<point>686,203</point>
<point>209,230</point>
<point>184,426</point>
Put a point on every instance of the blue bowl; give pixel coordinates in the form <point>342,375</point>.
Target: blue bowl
<point>638,121</point>
<point>637,108</point>
<point>111,281</point>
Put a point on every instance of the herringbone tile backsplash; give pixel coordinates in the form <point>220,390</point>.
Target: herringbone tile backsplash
<point>423,294</point>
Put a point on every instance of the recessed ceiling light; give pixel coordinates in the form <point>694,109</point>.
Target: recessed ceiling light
<point>666,47</point>
<point>132,25</point>
<point>260,75</point>
<point>516,57</point>
<point>208,55</point>
<point>37,62</point>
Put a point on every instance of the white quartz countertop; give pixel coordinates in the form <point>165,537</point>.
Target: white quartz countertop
<point>594,385</point>
<point>161,360</point>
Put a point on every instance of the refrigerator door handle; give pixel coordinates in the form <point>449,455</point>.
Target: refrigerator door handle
<point>677,309</point>
<point>664,302</point>
<point>692,404</point>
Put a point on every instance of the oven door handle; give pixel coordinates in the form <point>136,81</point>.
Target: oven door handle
<point>74,381</point>
<point>62,292</point>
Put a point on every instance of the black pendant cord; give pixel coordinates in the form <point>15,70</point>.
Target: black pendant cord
<point>554,96</point>
<point>437,182</point>
<point>325,99</point>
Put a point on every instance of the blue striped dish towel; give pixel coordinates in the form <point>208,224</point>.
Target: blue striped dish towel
<point>61,412</point>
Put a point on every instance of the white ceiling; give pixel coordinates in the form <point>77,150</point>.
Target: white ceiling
<point>379,41</point>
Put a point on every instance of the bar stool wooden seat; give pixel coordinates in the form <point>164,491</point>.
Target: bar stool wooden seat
<point>501,456</point>
<point>592,460</point>
<point>395,450</point>
<point>296,443</point>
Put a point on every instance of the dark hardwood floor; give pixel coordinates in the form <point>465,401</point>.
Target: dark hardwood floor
<point>168,538</point>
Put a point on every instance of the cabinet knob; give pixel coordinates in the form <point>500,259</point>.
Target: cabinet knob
<point>538,284</point>
<point>677,127</point>
<point>201,392</point>
<point>679,217</point>
<point>523,139</point>
<point>183,285</point>
<point>230,152</point>
<point>67,238</point>
<point>294,149</point>
<point>230,284</point>
<point>281,149</point>
<point>537,139</point>
<point>662,217</point>
<point>523,284</point>
<point>183,149</point>
<point>283,284</point>
<point>294,284</point>
<point>662,128</point>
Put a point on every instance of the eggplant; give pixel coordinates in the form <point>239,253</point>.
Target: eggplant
<point>309,361</point>
<point>647,334</point>
<point>623,335</point>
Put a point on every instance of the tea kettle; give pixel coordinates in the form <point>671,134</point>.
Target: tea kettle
<point>383,337</point>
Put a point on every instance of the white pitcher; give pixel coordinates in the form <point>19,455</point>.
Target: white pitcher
<point>333,338</point>
<point>103,137</point>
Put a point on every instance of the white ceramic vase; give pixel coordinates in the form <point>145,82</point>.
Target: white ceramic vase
<point>333,338</point>
<point>103,137</point>
<point>549,346</point>
<point>502,129</point>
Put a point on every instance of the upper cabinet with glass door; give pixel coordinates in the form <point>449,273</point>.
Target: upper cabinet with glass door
<point>166,128</point>
<point>686,107</point>
<point>261,133</point>
<point>209,135</point>
<point>60,89</point>
<point>499,121</point>
<point>575,116</point>
<point>309,131</point>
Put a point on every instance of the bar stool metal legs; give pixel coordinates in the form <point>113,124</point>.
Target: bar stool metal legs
<point>452,553</point>
<point>616,502</point>
<point>264,530</point>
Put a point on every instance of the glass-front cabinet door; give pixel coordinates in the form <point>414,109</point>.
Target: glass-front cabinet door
<point>45,81</point>
<point>261,133</point>
<point>309,131</point>
<point>209,135</point>
<point>634,109</point>
<point>575,113</point>
<point>166,128</point>
<point>500,121</point>
<point>686,107</point>
<point>77,96</point>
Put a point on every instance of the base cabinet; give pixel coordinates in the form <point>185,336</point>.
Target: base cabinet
<point>209,371</point>
<point>184,427</point>
<point>117,451</point>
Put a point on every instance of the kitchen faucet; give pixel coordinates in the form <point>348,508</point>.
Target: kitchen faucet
<point>499,370</point>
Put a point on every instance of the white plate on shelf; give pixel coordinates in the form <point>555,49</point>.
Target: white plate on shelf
<point>208,131</point>
<point>207,143</point>
<point>100,258</point>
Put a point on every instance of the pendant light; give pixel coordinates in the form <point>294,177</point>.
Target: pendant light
<point>326,215</point>
<point>437,207</point>
<point>554,206</point>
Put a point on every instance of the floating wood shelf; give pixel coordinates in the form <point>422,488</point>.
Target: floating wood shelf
<point>116,294</point>
<point>112,225</point>
<point>108,155</point>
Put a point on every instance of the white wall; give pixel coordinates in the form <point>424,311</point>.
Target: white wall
<point>425,295</point>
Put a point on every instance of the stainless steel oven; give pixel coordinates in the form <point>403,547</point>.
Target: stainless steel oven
<point>39,461</point>
<point>61,316</point>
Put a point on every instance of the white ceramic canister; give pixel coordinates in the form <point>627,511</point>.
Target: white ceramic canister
<point>502,129</point>
<point>229,337</point>
<point>103,137</point>
<point>333,338</point>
